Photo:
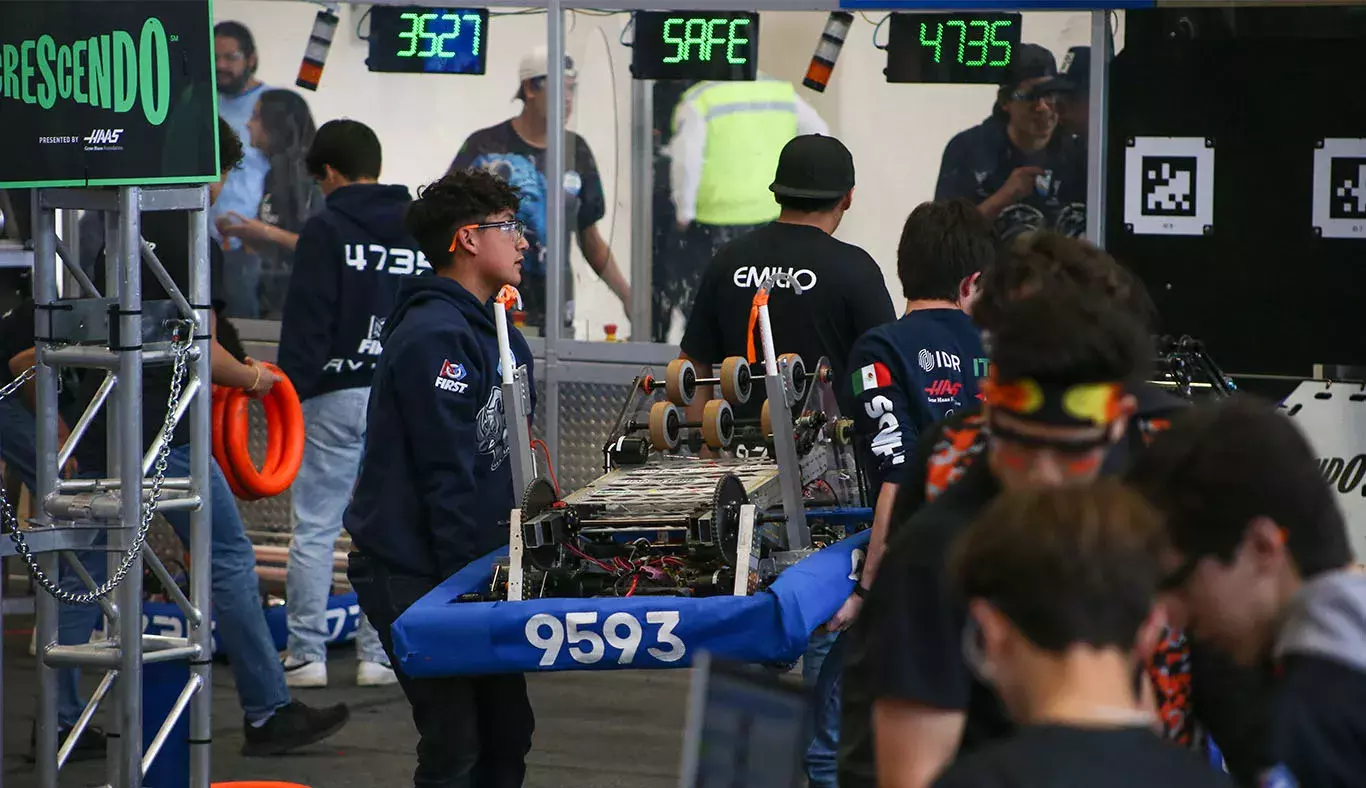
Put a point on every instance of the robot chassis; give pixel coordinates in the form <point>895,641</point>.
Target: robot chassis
<point>661,521</point>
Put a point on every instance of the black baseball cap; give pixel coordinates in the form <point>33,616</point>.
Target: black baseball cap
<point>814,167</point>
<point>1074,76</point>
<point>1030,61</point>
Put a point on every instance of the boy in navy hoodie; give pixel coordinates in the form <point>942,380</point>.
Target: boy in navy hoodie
<point>435,487</point>
<point>347,266</point>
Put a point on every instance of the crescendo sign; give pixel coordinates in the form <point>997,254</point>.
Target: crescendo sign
<point>107,93</point>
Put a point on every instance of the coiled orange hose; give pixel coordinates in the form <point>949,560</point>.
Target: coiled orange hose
<point>284,442</point>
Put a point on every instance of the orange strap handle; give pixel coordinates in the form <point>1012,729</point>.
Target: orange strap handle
<point>284,442</point>
<point>760,299</point>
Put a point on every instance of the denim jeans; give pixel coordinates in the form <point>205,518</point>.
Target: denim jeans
<point>473,731</point>
<point>334,424</point>
<point>241,283</point>
<point>238,615</point>
<point>19,441</point>
<point>821,668</point>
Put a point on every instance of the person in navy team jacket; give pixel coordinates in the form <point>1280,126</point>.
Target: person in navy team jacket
<point>348,263</point>
<point>435,487</point>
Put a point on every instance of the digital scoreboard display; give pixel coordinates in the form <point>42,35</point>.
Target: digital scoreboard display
<point>424,40</point>
<point>709,45</point>
<point>953,49</point>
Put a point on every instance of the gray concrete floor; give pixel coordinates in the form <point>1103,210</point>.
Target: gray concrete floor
<point>593,730</point>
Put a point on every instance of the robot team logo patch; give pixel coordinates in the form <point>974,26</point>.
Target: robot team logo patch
<point>451,376</point>
<point>491,429</point>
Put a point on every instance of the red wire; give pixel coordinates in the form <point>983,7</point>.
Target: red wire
<point>635,581</point>
<point>550,469</point>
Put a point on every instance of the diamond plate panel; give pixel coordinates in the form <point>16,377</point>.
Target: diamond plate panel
<point>587,411</point>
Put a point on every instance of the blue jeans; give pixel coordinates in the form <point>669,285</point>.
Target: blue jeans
<point>334,424</point>
<point>238,615</point>
<point>822,666</point>
<point>19,440</point>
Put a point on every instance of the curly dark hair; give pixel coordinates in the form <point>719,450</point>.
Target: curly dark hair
<point>458,198</point>
<point>1064,335</point>
<point>943,243</point>
<point>229,147</point>
<point>1045,260</point>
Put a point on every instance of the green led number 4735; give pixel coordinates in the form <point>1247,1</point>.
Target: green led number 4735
<point>977,34</point>
<point>705,34</point>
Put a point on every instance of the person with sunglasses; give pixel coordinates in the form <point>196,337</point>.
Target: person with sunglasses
<point>435,484</point>
<point>349,260</point>
<point>1018,167</point>
<point>1056,400</point>
<point>1261,568</point>
<point>1061,586</point>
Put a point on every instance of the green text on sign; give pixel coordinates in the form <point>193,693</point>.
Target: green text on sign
<point>977,44</point>
<point>695,38</point>
<point>436,42</point>
<point>109,71</point>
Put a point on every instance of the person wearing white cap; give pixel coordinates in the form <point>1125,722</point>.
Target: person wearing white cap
<point>515,150</point>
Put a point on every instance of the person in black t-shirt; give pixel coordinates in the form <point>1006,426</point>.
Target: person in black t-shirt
<point>843,292</point>
<point>843,296</point>
<point>1061,588</point>
<point>1056,400</point>
<point>1261,568</point>
<point>515,150</point>
<point>1021,171</point>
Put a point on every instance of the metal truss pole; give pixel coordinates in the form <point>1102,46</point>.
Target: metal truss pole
<point>70,333</point>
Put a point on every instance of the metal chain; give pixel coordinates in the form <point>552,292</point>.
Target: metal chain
<point>180,349</point>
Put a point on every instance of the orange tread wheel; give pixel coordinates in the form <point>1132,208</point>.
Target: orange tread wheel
<point>736,381</point>
<point>718,424</point>
<point>680,381</point>
<point>666,426</point>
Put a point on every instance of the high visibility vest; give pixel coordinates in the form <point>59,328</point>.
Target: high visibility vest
<point>748,123</point>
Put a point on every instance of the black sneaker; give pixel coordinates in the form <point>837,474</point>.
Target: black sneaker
<point>294,726</point>
<point>90,747</point>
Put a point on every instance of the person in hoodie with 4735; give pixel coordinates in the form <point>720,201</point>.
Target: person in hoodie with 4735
<point>435,487</point>
<point>348,263</point>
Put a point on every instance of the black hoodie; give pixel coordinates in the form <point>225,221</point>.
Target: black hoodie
<point>347,266</point>
<point>435,486</point>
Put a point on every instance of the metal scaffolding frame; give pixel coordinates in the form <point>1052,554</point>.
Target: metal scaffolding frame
<point>119,335</point>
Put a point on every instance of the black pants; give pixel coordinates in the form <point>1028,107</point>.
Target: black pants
<point>474,731</point>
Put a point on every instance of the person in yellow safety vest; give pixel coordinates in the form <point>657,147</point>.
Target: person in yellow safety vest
<point>724,150</point>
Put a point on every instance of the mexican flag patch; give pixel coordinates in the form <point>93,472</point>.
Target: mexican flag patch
<point>873,376</point>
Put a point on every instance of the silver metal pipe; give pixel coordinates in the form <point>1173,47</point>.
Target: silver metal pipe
<point>107,507</point>
<point>625,529</point>
<point>111,611</point>
<point>194,685</point>
<point>201,473</point>
<point>101,656</point>
<point>192,616</point>
<point>1098,126</point>
<point>92,485</point>
<point>158,270</point>
<point>187,395</point>
<point>83,425</point>
<point>127,763</point>
<point>87,714</point>
<point>70,255</point>
<point>113,276</point>
<point>642,201</point>
<point>100,358</point>
<point>45,605</point>
<point>557,252</point>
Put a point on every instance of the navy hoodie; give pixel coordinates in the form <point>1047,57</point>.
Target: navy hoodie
<point>435,486</point>
<point>347,267</point>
